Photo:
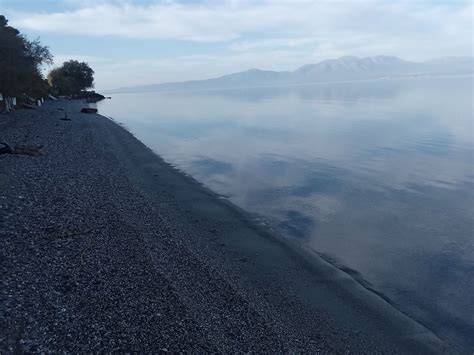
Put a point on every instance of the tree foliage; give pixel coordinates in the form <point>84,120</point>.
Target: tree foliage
<point>20,63</point>
<point>71,78</point>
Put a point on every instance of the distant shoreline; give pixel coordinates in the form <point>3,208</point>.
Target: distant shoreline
<point>290,85</point>
<point>108,243</point>
<point>340,70</point>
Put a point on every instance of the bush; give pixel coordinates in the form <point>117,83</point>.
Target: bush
<point>71,78</point>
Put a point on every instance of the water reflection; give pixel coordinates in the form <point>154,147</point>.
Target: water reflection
<point>376,175</point>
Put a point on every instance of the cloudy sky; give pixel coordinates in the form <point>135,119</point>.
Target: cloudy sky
<point>151,41</point>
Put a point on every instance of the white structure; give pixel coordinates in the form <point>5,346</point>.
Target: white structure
<point>9,102</point>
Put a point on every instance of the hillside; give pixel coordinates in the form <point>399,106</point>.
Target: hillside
<point>341,69</point>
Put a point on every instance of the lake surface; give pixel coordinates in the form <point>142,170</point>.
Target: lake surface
<point>377,176</point>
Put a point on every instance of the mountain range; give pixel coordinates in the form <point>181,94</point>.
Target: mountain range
<point>348,68</point>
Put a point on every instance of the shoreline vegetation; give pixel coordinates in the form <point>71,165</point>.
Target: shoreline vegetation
<point>22,82</point>
<point>107,247</point>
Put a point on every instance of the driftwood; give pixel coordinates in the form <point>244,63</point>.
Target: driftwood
<point>31,150</point>
<point>89,110</point>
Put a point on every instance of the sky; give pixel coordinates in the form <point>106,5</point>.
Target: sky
<point>130,42</point>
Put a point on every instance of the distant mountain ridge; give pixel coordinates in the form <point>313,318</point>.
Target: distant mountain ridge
<point>346,68</point>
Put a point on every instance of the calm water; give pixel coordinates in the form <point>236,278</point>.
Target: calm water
<point>374,176</point>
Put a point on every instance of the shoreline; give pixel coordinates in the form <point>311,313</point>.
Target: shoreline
<point>231,285</point>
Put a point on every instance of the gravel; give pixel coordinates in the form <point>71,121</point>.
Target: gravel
<point>105,247</point>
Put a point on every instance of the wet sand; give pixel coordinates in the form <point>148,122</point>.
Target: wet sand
<point>104,246</point>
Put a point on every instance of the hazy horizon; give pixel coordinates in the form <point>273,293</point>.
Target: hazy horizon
<point>448,59</point>
<point>156,41</point>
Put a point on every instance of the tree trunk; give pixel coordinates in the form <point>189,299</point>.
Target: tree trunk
<point>8,103</point>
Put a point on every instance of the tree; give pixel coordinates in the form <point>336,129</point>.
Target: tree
<point>20,63</point>
<point>71,78</point>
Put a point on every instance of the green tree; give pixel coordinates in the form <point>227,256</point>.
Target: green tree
<point>71,78</point>
<point>20,63</point>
